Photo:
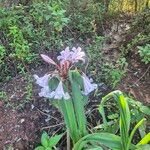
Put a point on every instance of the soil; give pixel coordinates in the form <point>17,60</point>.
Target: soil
<point>137,80</point>
<point>22,128</point>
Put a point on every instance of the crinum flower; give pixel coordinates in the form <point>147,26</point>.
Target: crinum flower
<point>66,59</point>
<point>65,56</point>
<point>42,81</point>
<point>77,55</point>
<point>73,56</point>
<point>60,93</point>
<point>88,85</point>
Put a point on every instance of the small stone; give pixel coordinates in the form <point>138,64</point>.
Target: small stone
<point>32,106</point>
<point>22,120</point>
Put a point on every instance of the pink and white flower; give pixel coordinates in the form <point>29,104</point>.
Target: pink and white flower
<point>65,55</point>
<point>72,56</point>
<point>67,59</point>
<point>88,85</point>
<point>46,92</point>
<point>77,55</point>
<point>42,81</point>
<point>59,93</point>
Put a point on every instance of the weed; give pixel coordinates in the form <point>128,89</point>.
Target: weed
<point>3,96</point>
<point>144,52</point>
<point>29,88</point>
<point>106,71</point>
<point>2,54</point>
<point>48,142</point>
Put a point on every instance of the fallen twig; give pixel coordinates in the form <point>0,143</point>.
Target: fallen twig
<point>52,126</point>
<point>142,75</point>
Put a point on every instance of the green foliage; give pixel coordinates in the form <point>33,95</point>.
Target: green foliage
<point>131,46</point>
<point>78,101</point>
<point>2,54</point>
<point>3,96</point>
<point>138,111</point>
<point>20,45</point>
<point>106,71</point>
<point>96,58</point>
<point>75,119</point>
<point>141,23</point>
<point>50,14</point>
<point>125,118</point>
<point>101,140</point>
<point>48,142</point>
<point>26,30</point>
<point>144,52</point>
<point>104,140</point>
<point>117,73</point>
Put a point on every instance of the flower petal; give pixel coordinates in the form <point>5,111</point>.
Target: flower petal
<point>78,55</point>
<point>65,55</point>
<point>73,56</point>
<point>48,59</point>
<point>45,92</point>
<point>88,86</point>
<point>42,81</point>
<point>59,92</point>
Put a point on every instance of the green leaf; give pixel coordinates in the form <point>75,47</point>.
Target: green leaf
<point>53,83</point>
<point>45,139</point>
<point>143,147</point>
<point>39,148</point>
<point>145,110</point>
<point>113,116</point>
<point>145,139</point>
<point>67,109</point>
<point>78,101</point>
<point>125,117</point>
<point>96,148</point>
<point>76,76</point>
<point>109,140</point>
<point>134,130</point>
<point>48,148</point>
<point>142,130</point>
<point>54,140</point>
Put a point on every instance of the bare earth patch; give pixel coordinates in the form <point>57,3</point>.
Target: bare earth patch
<point>22,121</point>
<point>137,80</point>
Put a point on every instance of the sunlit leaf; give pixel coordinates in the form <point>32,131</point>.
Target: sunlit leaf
<point>145,140</point>
<point>109,140</point>
<point>54,140</point>
<point>45,139</point>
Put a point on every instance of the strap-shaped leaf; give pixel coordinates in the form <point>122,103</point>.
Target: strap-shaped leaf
<point>125,117</point>
<point>68,112</point>
<point>143,147</point>
<point>145,140</point>
<point>133,131</point>
<point>78,101</point>
<point>54,140</point>
<point>44,139</point>
<point>109,140</point>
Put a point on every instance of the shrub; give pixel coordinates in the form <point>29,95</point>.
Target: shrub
<point>144,52</point>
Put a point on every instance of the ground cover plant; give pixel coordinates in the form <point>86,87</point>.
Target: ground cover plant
<point>111,53</point>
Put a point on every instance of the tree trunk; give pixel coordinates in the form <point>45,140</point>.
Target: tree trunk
<point>136,5</point>
<point>147,4</point>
